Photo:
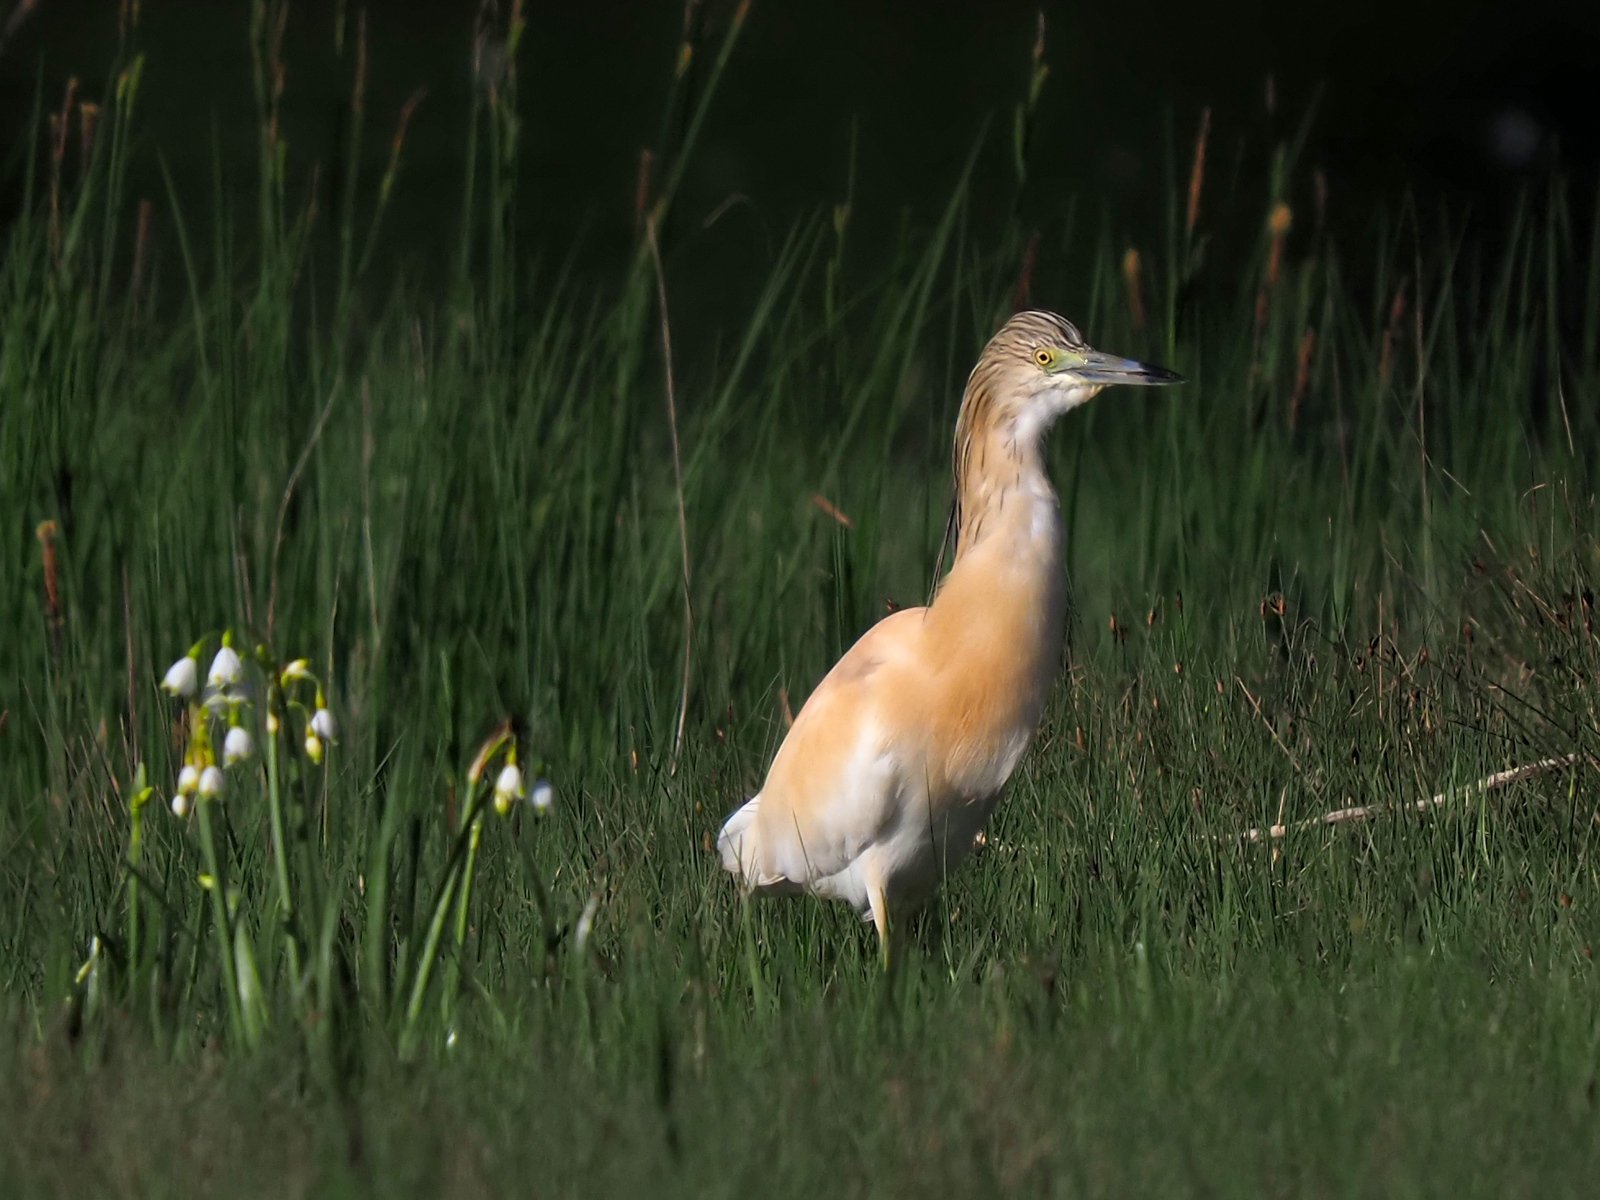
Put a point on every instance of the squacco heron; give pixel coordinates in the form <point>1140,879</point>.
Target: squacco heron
<point>898,757</point>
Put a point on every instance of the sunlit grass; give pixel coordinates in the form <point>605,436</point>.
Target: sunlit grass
<point>1349,564</point>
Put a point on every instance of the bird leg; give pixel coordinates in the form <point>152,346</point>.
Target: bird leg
<point>879,903</point>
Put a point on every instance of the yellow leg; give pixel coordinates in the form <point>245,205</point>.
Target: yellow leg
<point>879,903</point>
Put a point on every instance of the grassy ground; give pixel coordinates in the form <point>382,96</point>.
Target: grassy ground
<point>1349,564</point>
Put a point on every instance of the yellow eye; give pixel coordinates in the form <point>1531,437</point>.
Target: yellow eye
<point>1044,357</point>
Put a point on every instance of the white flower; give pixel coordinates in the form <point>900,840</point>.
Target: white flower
<point>237,746</point>
<point>211,782</point>
<point>226,669</point>
<point>324,726</point>
<point>188,780</point>
<point>92,963</point>
<point>507,787</point>
<point>543,796</point>
<point>313,747</point>
<point>182,677</point>
<point>297,670</point>
<point>180,805</point>
<point>586,922</point>
<point>509,783</point>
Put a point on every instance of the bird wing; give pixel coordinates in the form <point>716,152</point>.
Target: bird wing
<point>837,783</point>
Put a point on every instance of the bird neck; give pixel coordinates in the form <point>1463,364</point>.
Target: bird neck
<point>1002,491</point>
<point>999,617</point>
<point>1006,593</point>
<point>997,623</point>
<point>1007,587</point>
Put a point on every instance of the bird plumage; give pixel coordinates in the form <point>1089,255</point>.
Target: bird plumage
<point>899,755</point>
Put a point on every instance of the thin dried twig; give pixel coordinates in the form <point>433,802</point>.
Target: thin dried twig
<point>1288,753</point>
<point>1361,812</point>
<point>47,532</point>
<point>1197,173</point>
<point>1131,272</point>
<point>677,482</point>
<point>831,509</point>
<point>14,22</point>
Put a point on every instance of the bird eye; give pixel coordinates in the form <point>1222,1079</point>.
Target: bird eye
<point>1044,357</point>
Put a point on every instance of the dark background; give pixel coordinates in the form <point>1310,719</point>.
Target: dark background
<point>1456,102</point>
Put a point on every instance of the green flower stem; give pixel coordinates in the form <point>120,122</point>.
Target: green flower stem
<point>219,918</point>
<point>436,926</point>
<point>280,854</point>
<point>419,987</point>
<point>135,848</point>
<point>475,836</point>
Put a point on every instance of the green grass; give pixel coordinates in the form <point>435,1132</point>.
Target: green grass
<point>1363,586</point>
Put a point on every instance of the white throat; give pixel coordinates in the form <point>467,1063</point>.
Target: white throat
<point>1045,407</point>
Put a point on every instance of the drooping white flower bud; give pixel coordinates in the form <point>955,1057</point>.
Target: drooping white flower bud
<point>211,782</point>
<point>237,746</point>
<point>507,787</point>
<point>188,780</point>
<point>585,927</point>
<point>324,726</point>
<point>542,796</point>
<point>180,805</point>
<point>182,677</point>
<point>92,964</point>
<point>295,671</point>
<point>509,782</point>
<point>313,747</point>
<point>226,669</point>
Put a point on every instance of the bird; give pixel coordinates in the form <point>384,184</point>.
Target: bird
<point>899,756</point>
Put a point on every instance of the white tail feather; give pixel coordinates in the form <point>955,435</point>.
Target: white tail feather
<point>740,847</point>
<point>737,842</point>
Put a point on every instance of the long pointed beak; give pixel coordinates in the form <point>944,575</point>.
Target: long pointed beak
<point>1102,368</point>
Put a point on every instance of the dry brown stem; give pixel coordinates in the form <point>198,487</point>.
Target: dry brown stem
<point>1361,812</point>
<point>1197,173</point>
<point>677,481</point>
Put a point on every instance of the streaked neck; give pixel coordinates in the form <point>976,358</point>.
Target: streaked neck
<point>1001,486</point>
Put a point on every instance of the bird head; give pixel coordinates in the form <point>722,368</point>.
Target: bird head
<point>1038,366</point>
